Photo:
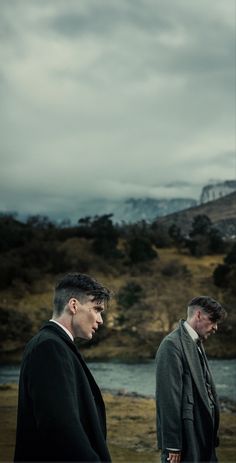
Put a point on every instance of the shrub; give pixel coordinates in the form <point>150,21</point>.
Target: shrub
<point>14,325</point>
<point>129,294</point>
<point>230,258</point>
<point>204,238</point>
<point>220,275</point>
<point>140,250</point>
<point>224,275</point>
<point>174,268</point>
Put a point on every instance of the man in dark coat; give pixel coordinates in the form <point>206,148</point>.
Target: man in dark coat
<point>61,413</point>
<point>187,404</point>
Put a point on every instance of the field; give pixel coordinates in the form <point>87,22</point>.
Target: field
<point>131,428</point>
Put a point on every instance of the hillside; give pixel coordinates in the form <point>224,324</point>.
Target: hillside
<point>134,209</point>
<point>221,211</point>
<point>134,331</point>
<point>151,279</point>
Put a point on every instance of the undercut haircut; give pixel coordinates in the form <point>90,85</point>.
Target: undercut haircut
<point>80,286</point>
<point>210,306</point>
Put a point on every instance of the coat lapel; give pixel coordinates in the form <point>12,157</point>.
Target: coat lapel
<point>193,360</point>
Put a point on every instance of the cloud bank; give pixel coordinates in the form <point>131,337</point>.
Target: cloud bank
<point>114,99</point>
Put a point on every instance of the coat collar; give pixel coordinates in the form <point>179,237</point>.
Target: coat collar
<point>63,327</point>
<point>54,327</point>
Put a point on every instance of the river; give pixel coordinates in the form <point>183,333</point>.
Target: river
<point>139,378</point>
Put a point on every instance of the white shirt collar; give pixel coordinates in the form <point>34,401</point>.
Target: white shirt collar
<point>192,333</point>
<point>64,328</point>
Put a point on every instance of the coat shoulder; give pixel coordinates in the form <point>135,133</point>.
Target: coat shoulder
<point>172,339</point>
<point>170,347</point>
<point>45,340</point>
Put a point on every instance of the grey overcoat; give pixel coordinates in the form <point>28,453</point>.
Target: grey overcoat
<point>184,415</point>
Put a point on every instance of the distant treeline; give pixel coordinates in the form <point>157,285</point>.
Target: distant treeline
<point>39,245</point>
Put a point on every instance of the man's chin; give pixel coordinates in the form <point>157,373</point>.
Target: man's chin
<point>86,337</point>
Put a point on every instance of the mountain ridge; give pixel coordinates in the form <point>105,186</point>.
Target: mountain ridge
<point>221,211</point>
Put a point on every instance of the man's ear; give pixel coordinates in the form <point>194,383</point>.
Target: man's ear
<point>198,314</point>
<point>72,306</point>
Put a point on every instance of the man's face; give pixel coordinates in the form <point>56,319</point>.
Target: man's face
<point>205,326</point>
<point>87,318</point>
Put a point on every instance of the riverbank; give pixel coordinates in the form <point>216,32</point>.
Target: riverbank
<point>139,377</point>
<point>131,427</point>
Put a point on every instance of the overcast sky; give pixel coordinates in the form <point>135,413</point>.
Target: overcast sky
<point>114,99</point>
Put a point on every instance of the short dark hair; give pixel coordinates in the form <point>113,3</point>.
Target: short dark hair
<point>79,286</point>
<point>210,306</point>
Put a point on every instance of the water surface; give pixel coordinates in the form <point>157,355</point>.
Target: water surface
<point>139,378</point>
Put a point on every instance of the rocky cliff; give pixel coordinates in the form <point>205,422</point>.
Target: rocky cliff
<point>217,190</point>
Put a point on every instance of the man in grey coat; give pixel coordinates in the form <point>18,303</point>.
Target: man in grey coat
<point>187,404</point>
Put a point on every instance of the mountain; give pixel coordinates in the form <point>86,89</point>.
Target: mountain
<point>221,211</point>
<point>133,210</point>
<point>172,197</point>
<point>128,210</point>
<point>217,190</point>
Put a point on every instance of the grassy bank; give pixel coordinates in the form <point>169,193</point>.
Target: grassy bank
<point>131,428</point>
<point>148,302</point>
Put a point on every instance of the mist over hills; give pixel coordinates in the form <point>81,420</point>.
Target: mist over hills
<point>136,209</point>
<point>131,210</point>
<point>169,199</point>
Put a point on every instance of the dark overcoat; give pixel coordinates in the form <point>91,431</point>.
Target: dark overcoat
<point>184,415</point>
<point>61,413</point>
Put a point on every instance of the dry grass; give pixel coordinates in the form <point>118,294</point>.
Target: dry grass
<point>131,428</point>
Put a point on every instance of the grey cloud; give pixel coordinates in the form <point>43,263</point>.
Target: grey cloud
<point>159,25</point>
<point>111,98</point>
<point>219,166</point>
<point>227,158</point>
<point>106,17</point>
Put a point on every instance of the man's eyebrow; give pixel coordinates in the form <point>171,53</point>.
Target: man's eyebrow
<point>98,307</point>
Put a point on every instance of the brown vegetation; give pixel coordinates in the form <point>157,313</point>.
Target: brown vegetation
<point>131,428</point>
<point>152,273</point>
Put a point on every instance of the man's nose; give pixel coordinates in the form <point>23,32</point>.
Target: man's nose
<point>100,319</point>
